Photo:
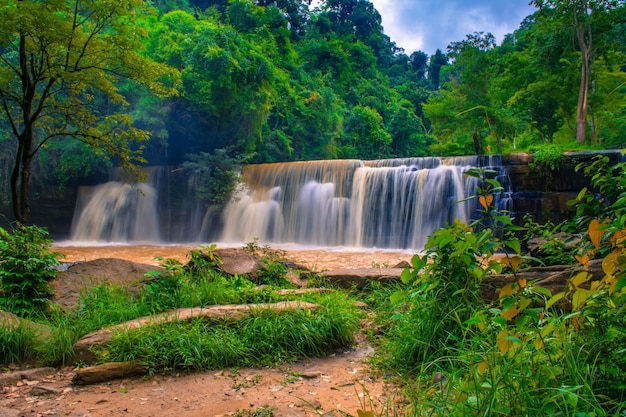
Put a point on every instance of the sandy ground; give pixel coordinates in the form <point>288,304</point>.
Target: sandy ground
<point>337,385</point>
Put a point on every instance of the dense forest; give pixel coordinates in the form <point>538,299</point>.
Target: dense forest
<point>254,81</point>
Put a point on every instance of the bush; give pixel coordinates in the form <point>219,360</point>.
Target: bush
<point>26,267</point>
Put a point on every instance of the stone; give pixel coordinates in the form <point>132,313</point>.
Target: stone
<point>8,412</point>
<point>10,378</point>
<point>69,284</point>
<point>233,261</point>
<point>553,277</point>
<point>360,278</point>
<point>8,320</point>
<point>40,391</point>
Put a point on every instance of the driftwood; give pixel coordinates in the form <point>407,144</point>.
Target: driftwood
<point>231,312</point>
<point>107,371</point>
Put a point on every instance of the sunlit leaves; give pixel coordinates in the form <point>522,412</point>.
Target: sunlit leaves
<point>486,201</point>
<point>596,231</point>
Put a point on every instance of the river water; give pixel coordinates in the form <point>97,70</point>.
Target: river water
<point>316,259</point>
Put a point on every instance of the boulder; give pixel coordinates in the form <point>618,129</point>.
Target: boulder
<point>8,320</point>
<point>553,278</point>
<point>360,278</point>
<point>79,277</point>
<point>233,261</point>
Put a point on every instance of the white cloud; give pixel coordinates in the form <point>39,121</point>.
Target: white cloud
<point>429,25</point>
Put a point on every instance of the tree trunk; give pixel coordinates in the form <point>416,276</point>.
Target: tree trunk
<point>20,177</point>
<point>585,43</point>
<point>581,110</point>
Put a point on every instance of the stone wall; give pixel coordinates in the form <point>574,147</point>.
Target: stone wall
<point>543,193</point>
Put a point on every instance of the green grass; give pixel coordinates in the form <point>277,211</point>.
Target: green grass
<point>17,345</point>
<point>264,338</point>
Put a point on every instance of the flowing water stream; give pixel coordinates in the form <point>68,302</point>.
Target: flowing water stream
<point>387,204</point>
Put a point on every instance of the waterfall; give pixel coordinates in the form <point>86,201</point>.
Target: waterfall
<point>394,203</point>
<point>116,212</point>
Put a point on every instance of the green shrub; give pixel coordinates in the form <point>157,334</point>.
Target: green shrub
<point>26,267</point>
<point>16,344</point>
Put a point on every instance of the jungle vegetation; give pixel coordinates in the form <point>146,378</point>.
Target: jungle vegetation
<point>86,85</point>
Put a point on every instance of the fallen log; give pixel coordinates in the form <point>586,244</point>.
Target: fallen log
<point>233,312</point>
<point>107,372</point>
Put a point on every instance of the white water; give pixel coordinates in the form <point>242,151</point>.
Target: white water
<point>383,204</point>
<point>116,212</point>
<point>388,204</point>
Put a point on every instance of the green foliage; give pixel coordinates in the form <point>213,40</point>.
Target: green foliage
<point>530,352</point>
<point>551,249</point>
<point>265,411</point>
<point>16,344</point>
<point>26,266</point>
<point>61,79</point>
<point>214,176</point>
<point>443,290</point>
<point>262,339</point>
<point>545,163</point>
<point>608,185</point>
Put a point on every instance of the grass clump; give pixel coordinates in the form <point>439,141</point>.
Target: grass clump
<point>17,344</point>
<point>263,338</point>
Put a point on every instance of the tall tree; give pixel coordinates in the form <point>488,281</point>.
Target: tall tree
<point>437,61</point>
<point>61,65</point>
<point>581,16</point>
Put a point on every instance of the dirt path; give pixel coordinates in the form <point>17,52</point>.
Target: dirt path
<point>336,385</point>
<point>332,386</point>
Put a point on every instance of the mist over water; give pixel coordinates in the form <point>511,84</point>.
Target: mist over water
<point>386,204</point>
<point>116,212</point>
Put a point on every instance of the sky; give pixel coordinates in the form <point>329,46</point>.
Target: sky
<point>428,25</point>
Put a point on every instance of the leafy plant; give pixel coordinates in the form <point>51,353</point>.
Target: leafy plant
<point>553,246</point>
<point>545,163</point>
<point>26,266</point>
<point>16,344</point>
<point>443,287</point>
<point>265,411</point>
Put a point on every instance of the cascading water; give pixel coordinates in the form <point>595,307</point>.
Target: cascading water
<point>395,204</point>
<point>116,212</point>
<point>386,204</point>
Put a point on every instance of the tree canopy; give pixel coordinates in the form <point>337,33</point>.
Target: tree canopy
<point>63,65</point>
<point>270,81</point>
